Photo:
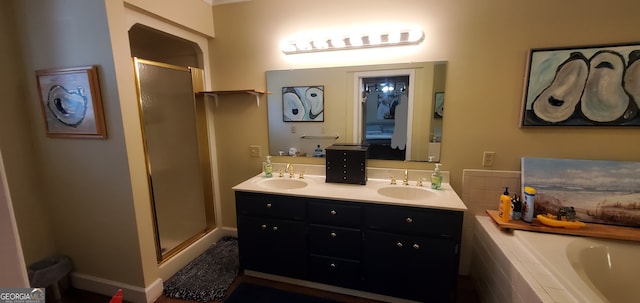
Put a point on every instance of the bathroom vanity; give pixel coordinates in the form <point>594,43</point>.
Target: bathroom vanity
<point>402,244</point>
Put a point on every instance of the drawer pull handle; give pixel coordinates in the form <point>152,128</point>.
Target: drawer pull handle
<point>333,212</point>
<point>416,246</point>
<point>268,205</point>
<point>333,235</point>
<point>275,228</point>
<point>263,226</point>
<point>399,244</point>
<point>409,220</point>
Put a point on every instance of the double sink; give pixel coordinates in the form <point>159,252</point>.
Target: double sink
<point>403,192</point>
<point>376,190</point>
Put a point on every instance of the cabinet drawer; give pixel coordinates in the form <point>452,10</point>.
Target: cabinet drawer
<point>322,212</point>
<point>335,241</point>
<point>335,271</point>
<point>270,205</point>
<point>439,223</point>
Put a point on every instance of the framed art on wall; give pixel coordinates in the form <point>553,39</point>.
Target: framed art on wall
<point>583,86</point>
<point>71,102</point>
<point>303,103</point>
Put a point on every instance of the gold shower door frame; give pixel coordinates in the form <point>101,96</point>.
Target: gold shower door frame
<point>155,148</point>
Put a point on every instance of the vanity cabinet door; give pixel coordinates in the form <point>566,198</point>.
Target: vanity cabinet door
<point>411,267</point>
<point>272,246</point>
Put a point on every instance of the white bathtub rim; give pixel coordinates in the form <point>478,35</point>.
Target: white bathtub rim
<point>541,281</point>
<point>566,275</point>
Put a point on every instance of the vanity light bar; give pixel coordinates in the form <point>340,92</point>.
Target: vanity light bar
<point>403,37</point>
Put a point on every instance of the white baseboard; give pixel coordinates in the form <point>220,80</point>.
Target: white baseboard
<point>130,293</point>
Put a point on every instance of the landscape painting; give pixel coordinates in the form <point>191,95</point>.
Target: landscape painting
<point>606,192</point>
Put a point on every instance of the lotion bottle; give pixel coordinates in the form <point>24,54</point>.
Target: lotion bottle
<point>436,178</point>
<point>528,208</point>
<point>504,208</point>
<point>268,168</point>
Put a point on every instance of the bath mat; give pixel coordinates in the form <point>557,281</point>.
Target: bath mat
<point>208,276</point>
<point>252,293</point>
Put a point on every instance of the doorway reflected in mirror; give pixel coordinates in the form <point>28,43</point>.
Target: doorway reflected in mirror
<point>385,111</point>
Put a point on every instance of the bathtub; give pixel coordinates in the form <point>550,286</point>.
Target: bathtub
<point>522,266</point>
<point>590,269</point>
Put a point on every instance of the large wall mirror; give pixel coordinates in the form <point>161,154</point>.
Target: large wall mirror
<point>395,108</point>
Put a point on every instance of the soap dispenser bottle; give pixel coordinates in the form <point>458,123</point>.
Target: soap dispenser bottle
<point>268,168</point>
<point>436,178</point>
<point>317,152</point>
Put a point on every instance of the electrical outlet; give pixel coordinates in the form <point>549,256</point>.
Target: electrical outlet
<point>293,129</point>
<point>254,151</point>
<point>487,158</point>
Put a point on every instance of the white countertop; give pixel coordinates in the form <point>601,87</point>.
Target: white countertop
<point>316,187</point>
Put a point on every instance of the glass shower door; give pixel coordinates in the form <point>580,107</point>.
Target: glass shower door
<point>177,179</point>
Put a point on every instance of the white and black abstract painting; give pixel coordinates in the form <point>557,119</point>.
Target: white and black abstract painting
<point>585,86</point>
<point>303,103</point>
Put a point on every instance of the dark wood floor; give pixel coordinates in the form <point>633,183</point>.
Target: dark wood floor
<point>466,293</point>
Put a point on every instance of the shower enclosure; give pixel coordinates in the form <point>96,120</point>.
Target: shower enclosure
<point>177,153</point>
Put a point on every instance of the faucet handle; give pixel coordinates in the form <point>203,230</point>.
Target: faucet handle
<point>301,176</point>
<point>393,180</point>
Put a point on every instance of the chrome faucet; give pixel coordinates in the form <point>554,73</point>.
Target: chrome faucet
<point>405,180</point>
<point>290,169</point>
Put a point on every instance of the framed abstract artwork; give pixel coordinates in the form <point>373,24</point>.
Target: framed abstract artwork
<point>303,103</point>
<point>583,86</point>
<point>71,103</point>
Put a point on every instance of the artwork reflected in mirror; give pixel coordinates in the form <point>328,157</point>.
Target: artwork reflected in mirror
<point>303,103</point>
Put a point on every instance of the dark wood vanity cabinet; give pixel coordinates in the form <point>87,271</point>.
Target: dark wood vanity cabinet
<point>272,234</point>
<point>398,251</point>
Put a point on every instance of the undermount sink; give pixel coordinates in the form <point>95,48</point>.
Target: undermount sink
<point>282,183</point>
<point>405,193</point>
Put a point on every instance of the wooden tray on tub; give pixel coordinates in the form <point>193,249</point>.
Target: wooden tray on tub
<point>590,230</point>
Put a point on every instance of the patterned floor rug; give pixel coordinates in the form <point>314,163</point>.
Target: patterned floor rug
<point>208,276</point>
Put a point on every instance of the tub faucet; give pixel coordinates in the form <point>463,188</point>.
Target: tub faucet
<point>405,180</point>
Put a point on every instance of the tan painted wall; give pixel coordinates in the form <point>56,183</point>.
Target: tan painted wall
<point>195,15</point>
<point>84,183</point>
<point>18,147</point>
<point>485,43</point>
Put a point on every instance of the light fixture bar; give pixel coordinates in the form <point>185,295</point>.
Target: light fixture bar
<point>312,45</point>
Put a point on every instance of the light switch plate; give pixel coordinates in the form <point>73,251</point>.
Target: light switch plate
<point>487,158</point>
<point>254,151</point>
